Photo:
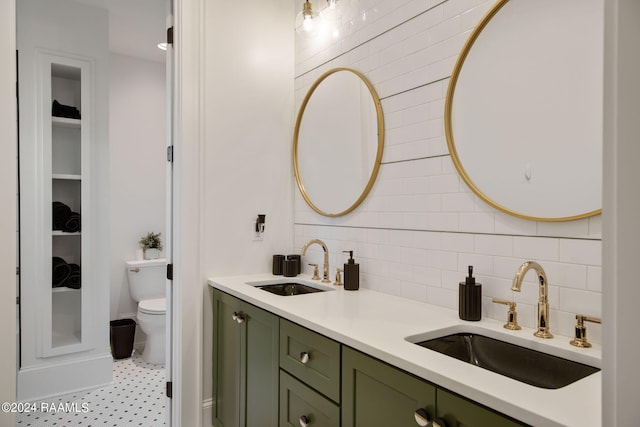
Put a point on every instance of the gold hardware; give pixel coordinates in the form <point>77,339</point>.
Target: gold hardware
<point>580,339</point>
<point>134,270</point>
<point>315,272</point>
<point>512,315</point>
<point>338,281</point>
<point>543,303</point>
<point>325,269</point>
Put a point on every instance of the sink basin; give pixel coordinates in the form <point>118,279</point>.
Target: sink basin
<point>523,364</point>
<point>290,287</point>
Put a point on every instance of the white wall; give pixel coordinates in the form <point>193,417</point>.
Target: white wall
<point>138,166</point>
<point>8,176</point>
<point>246,155</point>
<point>420,227</point>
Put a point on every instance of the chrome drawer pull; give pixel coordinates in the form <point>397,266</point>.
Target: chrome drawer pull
<point>304,421</point>
<point>304,357</point>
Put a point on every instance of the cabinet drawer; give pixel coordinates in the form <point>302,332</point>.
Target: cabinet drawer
<point>298,400</point>
<point>375,394</point>
<point>460,412</point>
<point>311,357</point>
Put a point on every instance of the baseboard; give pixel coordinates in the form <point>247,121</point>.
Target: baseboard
<point>207,412</point>
<point>55,379</point>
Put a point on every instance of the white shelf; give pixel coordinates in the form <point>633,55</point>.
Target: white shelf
<point>64,233</point>
<point>63,289</point>
<point>66,176</point>
<point>64,122</point>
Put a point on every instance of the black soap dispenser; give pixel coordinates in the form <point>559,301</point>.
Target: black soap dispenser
<point>470,298</point>
<point>351,273</point>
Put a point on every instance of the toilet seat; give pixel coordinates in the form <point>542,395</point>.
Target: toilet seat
<point>157,306</point>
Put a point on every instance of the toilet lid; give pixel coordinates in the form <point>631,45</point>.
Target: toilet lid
<point>153,306</point>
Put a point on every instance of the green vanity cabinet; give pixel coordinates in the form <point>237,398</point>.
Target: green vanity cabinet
<point>375,394</point>
<point>460,412</point>
<point>268,372</point>
<point>245,364</point>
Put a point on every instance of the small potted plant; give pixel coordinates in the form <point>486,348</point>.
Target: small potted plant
<point>151,245</point>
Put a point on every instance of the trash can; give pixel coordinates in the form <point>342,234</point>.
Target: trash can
<point>123,332</point>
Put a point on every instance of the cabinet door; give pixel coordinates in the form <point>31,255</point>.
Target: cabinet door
<point>300,405</point>
<point>260,367</point>
<point>245,364</point>
<point>460,412</point>
<point>376,394</point>
<point>226,360</point>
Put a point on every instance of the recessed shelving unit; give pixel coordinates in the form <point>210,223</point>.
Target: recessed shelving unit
<point>67,170</point>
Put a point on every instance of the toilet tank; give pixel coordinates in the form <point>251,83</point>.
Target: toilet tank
<point>147,278</point>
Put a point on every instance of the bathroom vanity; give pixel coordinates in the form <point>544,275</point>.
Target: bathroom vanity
<point>350,358</point>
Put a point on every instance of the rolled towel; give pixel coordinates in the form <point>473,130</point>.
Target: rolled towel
<point>67,111</point>
<point>72,224</point>
<point>74,279</point>
<point>61,214</point>
<point>60,272</point>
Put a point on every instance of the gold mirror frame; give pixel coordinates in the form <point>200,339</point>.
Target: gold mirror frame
<point>378,159</point>
<point>449,131</point>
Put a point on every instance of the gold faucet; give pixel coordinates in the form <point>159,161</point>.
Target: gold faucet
<point>325,272</point>
<point>543,302</point>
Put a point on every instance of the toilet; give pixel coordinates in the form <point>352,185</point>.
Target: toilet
<point>147,288</point>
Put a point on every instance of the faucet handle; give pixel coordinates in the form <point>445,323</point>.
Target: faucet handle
<point>580,339</point>
<point>338,281</point>
<point>512,315</point>
<point>315,272</point>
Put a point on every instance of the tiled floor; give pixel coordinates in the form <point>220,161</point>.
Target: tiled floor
<point>136,398</point>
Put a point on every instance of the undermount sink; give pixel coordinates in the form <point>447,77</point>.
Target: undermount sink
<point>290,287</point>
<point>287,289</point>
<point>523,364</point>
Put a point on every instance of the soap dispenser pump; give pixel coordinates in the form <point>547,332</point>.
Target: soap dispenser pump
<point>470,298</point>
<point>351,273</point>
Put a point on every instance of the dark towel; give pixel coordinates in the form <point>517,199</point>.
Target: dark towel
<point>61,213</point>
<point>74,278</point>
<point>64,219</point>
<point>60,272</point>
<point>67,111</point>
<point>72,224</point>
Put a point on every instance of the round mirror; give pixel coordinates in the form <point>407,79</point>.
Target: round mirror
<point>338,142</point>
<point>523,114</point>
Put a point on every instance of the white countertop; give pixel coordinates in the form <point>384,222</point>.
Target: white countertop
<point>377,324</point>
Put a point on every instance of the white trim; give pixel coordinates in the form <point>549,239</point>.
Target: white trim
<point>207,412</point>
<point>8,363</point>
<point>188,283</point>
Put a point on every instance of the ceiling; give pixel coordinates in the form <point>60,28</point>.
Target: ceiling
<point>135,26</point>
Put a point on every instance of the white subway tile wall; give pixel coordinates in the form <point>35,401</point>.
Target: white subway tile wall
<point>421,226</point>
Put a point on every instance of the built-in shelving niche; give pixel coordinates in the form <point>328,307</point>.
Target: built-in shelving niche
<point>66,146</point>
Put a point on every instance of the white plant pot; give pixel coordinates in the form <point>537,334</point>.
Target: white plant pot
<point>151,253</point>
